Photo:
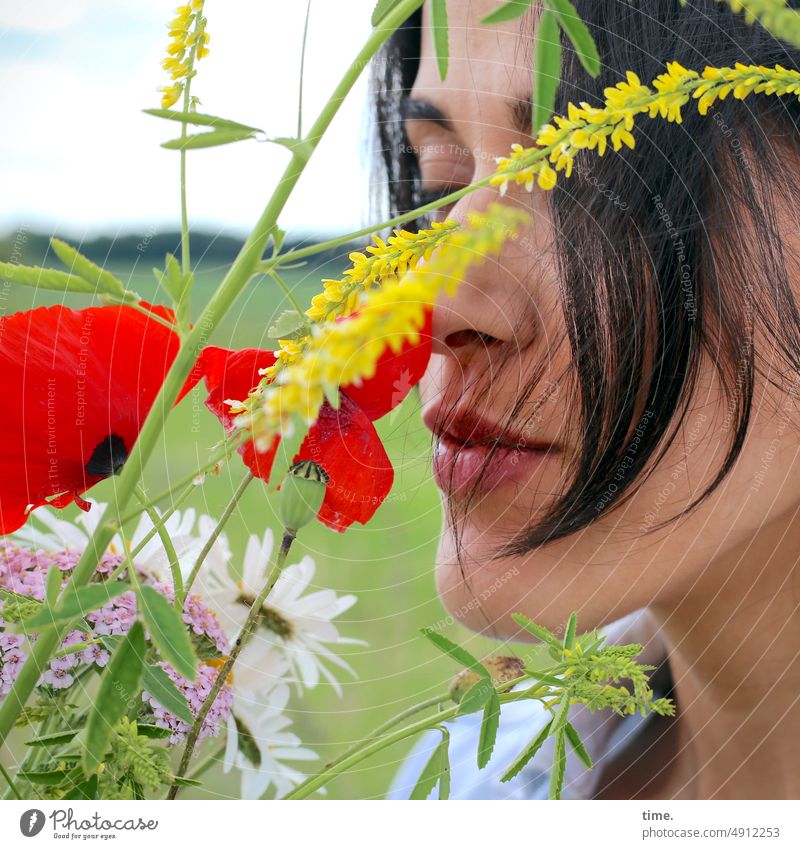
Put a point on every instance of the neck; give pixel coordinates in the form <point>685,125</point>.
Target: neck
<point>733,649</point>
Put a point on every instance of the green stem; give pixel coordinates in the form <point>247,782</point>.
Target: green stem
<point>169,548</point>
<point>214,535</point>
<point>225,669</point>
<point>302,73</point>
<point>9,780</point>
<point>371,747</point>
<point>289,294</point>
<point>389,724</point>
<point>221,301</point>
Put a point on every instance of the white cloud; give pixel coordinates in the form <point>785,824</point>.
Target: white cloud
<point>78,155</point>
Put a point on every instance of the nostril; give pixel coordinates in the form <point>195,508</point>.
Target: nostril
<point>462,338</point>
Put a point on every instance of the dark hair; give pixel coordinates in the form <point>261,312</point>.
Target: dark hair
<point>701,195</point>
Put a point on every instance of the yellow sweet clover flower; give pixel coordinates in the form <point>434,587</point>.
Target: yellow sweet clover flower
<point>774,15</point>
<point>346,352</point>
<point>592,128</point>
<point>189,40</point>
<point>381,263</point>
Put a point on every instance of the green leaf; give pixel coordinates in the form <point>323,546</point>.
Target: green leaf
<point>578,34</point>
<point>507,12</point>
<point>569,633</point>
<point>77,603</point>
<point>577,744</point>
<point>547,69</point>
<point>118,687</point>
<point>458,654</point>
<point>476,697</point>
<point>57,738</point>
<point>289,325</point>
<point>527,753</point>
<point>52,585</point>
<point>440,36</point>
<point>99,279</point>
<point>544,678</point>
<point>299,147</point>
<point>436,769</point>
<point>489,726</point>
<point>538,631</point>
<point>85,790</point>
<point>44,278</point>
<point>168,632</point>
<point>48,777</point>
<point>159,685</point>
<point>152,732</point>
<point>200,120</point>
<point>559,767</point>
<point>186,782</point>
<point>381,10</point>
<point>212,139</point>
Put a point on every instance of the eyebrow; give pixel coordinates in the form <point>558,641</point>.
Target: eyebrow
<point>414,109</point>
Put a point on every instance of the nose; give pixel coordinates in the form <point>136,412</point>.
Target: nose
<point>491,299</point>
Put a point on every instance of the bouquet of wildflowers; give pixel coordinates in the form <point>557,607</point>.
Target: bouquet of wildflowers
<point>127,648</point>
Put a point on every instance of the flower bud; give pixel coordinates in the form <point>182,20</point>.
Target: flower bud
<point>500,668</point>
<point>302,494</point>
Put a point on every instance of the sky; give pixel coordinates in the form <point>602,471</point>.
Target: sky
<point>78,156</point>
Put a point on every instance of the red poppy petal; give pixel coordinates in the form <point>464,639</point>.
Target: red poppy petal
<point>395,375</point>
<point>345,443</point>
<point>231,375</point>
<point>77,386</point>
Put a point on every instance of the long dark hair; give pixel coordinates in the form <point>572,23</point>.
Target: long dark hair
<point>679,255</point>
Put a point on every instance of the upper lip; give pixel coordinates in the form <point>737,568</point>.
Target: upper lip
<point>468,429</point>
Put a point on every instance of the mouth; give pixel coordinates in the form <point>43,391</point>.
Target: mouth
<point>475,454</point>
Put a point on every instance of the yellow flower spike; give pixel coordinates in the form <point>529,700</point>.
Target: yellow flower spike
<point>589,127</point>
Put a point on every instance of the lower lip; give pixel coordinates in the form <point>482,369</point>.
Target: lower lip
<point>460,470</point>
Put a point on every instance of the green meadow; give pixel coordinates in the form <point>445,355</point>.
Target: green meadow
<point>387,564</point>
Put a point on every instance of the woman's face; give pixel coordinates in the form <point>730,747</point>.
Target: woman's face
<point>504,322</point>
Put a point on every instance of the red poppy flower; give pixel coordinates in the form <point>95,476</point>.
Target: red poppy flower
<point>344,441</point>
<point>77,386</point>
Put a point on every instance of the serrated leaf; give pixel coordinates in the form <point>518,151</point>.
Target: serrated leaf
<point>77,603</point>
<point>441,41</point>
<point>538,631</point>
<point>444,766</point>
<point>98,278</point>
<point>381,10</point>
<point>200,119</point>
<point>213,139</point>
<point>507,12</point>
<point>159,685</point>
<point>52,585</point>
<point>44,278</point>
<point>86,790</point>
<point>458,654</point>
<point>289,325</point>
<point>432,771</point>
<point>527,753</point>
<point>577,32</point>
<point>577,745</point>
<point>476,697</point>
<point>118,687</point>
<point>168,632</point>
<point>57,738</point>
<point>489,726</point>
<point>559,766</point>
<point>569,632</point>
<point>299,147</point>
<point>48,777</point>
<point>547,69</point>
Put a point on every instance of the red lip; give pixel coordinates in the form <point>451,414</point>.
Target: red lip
<point>463,447</point>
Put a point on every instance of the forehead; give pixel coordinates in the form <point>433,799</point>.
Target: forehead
<point>489,68</point>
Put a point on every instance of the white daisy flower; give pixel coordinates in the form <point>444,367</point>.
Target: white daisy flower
<point>301,626</point>
<point>258,742</point>
<point>47,532</point>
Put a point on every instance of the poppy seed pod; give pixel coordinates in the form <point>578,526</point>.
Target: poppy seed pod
<point>302,494</point>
